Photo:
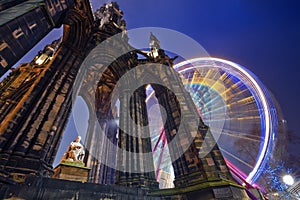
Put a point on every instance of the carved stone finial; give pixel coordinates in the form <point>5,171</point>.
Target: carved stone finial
<point>155,50</point>
<point>154,42</point>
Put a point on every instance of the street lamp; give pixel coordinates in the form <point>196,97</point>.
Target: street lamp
<point>288,179</point>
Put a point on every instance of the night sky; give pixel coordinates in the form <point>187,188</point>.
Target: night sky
<point>263,36</point>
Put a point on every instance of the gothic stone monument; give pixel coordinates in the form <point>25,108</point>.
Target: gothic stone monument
<point>35,104</point>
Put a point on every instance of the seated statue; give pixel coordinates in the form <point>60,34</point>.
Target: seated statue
<point>75,152</point>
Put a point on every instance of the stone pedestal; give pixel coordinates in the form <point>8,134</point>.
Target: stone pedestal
<point>208,190</point>
<point>73,171</point>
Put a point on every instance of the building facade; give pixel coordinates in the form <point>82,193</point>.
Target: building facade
<point>24,23</point>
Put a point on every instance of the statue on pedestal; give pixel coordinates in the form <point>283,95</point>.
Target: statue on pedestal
<point>71,166</point>
<point>75,152</point>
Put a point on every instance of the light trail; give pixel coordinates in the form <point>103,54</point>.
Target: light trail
<point>238,159</point>
<point>243,134</point>
<point>247,83</point>
<point>263,100</point>
<point>241,137</point>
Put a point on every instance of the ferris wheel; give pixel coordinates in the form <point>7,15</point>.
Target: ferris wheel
<point>237,107</point>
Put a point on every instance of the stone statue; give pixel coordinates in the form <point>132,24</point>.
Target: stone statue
<point>158,54</point>
<point>75,152</point>
<point>154,47</point>
<point>110,13</point>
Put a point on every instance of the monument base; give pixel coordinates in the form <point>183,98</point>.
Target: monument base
<point>72,171</point>
<point>49,188</point>
<point>208,190</point>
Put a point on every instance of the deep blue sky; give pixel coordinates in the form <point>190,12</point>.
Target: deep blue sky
<point>263,36</point>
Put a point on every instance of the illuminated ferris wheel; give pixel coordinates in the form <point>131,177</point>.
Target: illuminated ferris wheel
<point>238,109</point>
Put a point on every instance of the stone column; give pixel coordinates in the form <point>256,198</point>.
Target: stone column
<point>143,140</point>
<point>184,123</point>
<point>137,161</point>
<point>93,146</point>
<point>31,128</point>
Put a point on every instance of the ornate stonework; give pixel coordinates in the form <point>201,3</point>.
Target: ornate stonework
<point>36,104</point>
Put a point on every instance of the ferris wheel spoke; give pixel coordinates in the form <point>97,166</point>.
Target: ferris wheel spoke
<point>243,118</point>
<point>236,158</point>
<point>225,93</point>
<point>242,93</point>
<point>236,114</point>
<point>233,133</point>
<point>220,108</point>
<point>240,136</point>
<point>244,101</point>
<point>249,111</point>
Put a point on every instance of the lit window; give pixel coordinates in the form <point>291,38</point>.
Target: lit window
<point>51,8</point>
<point>3,45</point>
<point>42,59</point>
<point>3,62</point>
<point>17,33</point>
<point>32,26</point>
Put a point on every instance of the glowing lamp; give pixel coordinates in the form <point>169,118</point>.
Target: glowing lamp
<point>288,179</point>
